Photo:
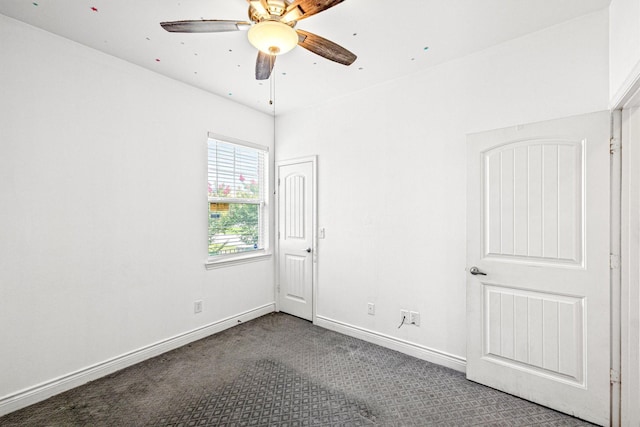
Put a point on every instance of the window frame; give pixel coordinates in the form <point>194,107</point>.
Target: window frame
<point>223,260</point>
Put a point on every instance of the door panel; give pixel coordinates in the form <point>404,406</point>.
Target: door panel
<point>295,192</point>
<point>295,274</point>
<point>296,203</point>
<point>533,193</point>
<point>538,227</point>
<point>535,331</point>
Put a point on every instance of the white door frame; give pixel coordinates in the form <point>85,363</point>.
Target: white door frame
<point>314,226</point>
<point>614,264</point>
<point>629,278</point>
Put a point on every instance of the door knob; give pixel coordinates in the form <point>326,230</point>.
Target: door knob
<point>308,250</point>
<point>476,271</point>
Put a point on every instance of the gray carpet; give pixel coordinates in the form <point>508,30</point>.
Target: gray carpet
<point>282,371</point>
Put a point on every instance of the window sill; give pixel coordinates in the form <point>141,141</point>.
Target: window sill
<point>229,261</point>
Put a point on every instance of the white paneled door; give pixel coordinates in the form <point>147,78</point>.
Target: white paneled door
<point>538,298</point>
<point>296,218</point>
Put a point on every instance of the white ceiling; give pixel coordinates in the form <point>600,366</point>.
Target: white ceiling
<point>391,38</point>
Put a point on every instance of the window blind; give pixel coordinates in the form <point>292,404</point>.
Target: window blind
<point>237,177</point>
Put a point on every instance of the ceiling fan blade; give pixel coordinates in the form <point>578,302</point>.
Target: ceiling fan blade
<point>301,9</point>
<point>325,48</point>
<point>264,65</point>
<point>205,26</point>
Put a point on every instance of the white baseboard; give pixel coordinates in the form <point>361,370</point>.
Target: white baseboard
<point>421,352</point>
<point>45,390</point>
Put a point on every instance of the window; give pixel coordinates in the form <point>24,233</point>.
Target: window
<point>237,187</point>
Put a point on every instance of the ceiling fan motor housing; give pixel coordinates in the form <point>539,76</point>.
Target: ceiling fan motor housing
<point>264,10</point>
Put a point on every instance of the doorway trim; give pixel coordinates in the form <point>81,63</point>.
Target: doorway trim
<point>628,346</point>
<point>314,226</point>
<point>629,343</point>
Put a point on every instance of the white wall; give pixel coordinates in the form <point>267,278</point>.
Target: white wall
<point>392,175</point>
<point>103,209</point>
<point>624,47</point>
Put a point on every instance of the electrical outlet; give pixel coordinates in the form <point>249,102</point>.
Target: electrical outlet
<point>404,317</point>
<point>371,309</point>
<point>197,307</point>
<point>414,318</point>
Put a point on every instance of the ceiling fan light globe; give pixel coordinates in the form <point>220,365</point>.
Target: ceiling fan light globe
<point>273,37</point>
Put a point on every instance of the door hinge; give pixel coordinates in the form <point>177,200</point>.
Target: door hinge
<point>278,288</point>
<point>614,261</point>
<point>614,376</point>
<point>278,182</point>
<point>614,145</point>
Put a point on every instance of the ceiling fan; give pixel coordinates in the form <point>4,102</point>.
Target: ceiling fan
<point>272,32</point>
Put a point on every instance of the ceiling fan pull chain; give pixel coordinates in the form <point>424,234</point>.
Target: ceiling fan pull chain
<point>272,88</point>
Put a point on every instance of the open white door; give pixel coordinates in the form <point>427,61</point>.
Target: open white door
<point>296,223</point>
<point>538,227</point>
